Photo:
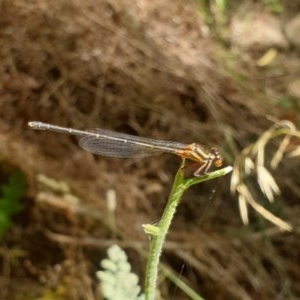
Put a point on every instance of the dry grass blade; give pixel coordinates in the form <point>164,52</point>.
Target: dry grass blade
<point>284,144</point>
<point>264,212</point>
<point>252,162</point>
<point>280,152</point>
<point>243,208</point>
<point>249,165</point>
<point>295,152</point>
<point>267,183</point>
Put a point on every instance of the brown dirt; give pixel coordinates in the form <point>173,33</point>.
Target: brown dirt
<point>149,68</point>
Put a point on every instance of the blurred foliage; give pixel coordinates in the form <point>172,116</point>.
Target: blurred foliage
<point>208,8</point>
<point>10,194</point>
<point>274,6</point>
<point>286,103</point>
<point>59,293</point>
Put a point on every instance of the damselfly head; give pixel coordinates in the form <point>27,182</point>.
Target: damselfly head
<point>216,157</point>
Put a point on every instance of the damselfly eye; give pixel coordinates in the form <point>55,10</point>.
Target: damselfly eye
<point>219,163</point>
<point>218,159</point>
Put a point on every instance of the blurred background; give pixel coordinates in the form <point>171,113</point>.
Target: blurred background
<point>213,72</point>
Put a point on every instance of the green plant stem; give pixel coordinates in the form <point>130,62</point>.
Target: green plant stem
<point>180,185</point>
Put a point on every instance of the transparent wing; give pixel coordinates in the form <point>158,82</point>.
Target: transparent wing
<point>111,143</point>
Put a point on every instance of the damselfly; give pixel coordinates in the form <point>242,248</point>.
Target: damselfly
<point>111,143</point>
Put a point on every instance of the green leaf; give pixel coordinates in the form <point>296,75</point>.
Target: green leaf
<point>10,195</point>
